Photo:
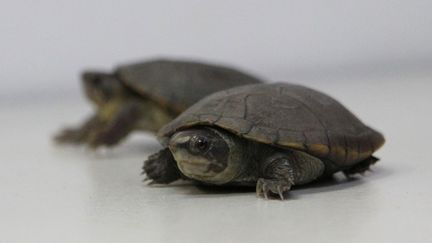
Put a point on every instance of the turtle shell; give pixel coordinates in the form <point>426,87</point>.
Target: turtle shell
<point>177,85</point>
<point>284,115</point>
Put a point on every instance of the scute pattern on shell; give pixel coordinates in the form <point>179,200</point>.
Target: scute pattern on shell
<point>179,84</point>
<point>287,116</point>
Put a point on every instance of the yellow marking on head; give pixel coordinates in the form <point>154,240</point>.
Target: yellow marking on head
<point>108,110</point>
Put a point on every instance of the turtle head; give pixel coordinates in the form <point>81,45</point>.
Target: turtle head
<point>206,154</point>
<point>101,87</point>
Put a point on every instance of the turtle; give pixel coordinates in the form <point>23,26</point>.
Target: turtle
<point>270,136</point>
<point>145,96</point>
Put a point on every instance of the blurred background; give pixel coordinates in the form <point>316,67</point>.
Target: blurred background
<point>375,56</point>
<point>45,44</point>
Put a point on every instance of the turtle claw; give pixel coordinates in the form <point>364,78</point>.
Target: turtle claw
<point>265,190</point>
<point>152,182</point>
<point>69,136</point>
<point>280,192</point>
<point>269,188</point>
<point>148,181</point>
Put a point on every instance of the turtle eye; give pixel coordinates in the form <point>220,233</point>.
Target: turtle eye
<point>198,144</point>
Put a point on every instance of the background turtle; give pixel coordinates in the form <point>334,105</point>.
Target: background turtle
<point>145,96</point>
<point>271,136</point>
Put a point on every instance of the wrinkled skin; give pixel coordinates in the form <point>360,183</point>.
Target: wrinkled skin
<point>213,156</point>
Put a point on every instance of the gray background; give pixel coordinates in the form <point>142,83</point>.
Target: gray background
<point>373,56</point>
<point>44,44</point>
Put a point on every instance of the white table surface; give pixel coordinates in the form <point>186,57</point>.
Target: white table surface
<point>65,194</point>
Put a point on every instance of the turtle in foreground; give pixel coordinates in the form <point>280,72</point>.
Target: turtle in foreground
<point>145,96</point>
<point>271,136</point>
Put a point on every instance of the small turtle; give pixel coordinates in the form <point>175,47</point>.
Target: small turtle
<point>271,136</point>
<point>146,96</point>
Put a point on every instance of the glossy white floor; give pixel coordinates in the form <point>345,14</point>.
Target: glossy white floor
<point>63,194</point>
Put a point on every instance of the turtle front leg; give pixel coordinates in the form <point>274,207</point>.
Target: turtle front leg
<point>161,168</point>
<point>123,122</point>
<point>79,134</point>
<point>283,170</point>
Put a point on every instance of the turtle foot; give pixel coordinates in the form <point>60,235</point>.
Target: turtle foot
<point>161,168</point>
<point>102,139</point>
<point>361,167</point>
<point>269,188</point>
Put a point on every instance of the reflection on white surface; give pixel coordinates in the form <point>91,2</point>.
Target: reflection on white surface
<point>63,194</point>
